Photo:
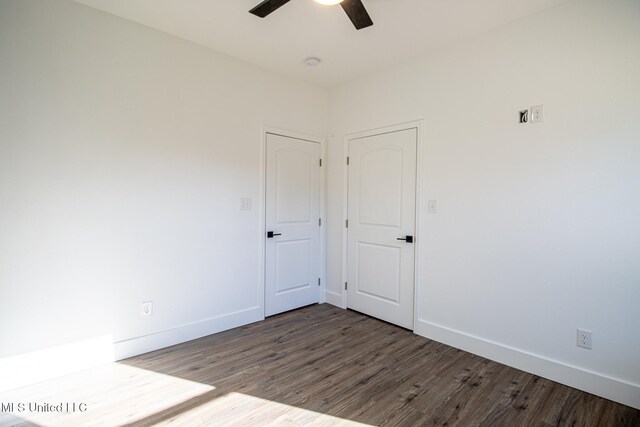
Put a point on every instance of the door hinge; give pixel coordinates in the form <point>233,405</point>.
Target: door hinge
<point>347,160</point>
<point>346,223</point>
<point>318,281</point>
<point>319,222</point>
<point>320,162</point>
<point>345,286</point>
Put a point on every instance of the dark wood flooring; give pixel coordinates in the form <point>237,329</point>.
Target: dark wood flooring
<point>350,366</point>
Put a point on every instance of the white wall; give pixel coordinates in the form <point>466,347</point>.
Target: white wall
<point>538,225</point>
<point>124,153</point>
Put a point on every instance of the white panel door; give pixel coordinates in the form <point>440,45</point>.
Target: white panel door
<point>292,260</point>
<point>381,210</point>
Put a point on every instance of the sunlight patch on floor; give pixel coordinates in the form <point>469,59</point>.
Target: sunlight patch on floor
<point>114,394</point>
<point>118,394</point>
<point>42,365</point>
<point>237,409</point>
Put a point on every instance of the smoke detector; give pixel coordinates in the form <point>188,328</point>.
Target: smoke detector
<point>312,61</point>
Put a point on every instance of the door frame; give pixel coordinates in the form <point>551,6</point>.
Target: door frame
<point>322,267</point>
<point>419,235</point>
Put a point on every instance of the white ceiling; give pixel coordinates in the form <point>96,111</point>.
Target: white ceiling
<point>301,28</point>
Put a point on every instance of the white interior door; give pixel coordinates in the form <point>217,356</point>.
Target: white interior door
<point>381,210</point>
<point>292,260</point>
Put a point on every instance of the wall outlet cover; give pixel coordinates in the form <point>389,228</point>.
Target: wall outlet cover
<point>584,339</point>
<point>146,309</point>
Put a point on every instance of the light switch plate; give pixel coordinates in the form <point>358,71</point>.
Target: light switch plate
<point>536,114</point>
<point>245,204</point>
<point>432,206</point>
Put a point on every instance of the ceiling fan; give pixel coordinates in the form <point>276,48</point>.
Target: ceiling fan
<point>354,9</point>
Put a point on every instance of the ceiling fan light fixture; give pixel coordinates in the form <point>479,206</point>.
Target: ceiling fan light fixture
<point>354,9</point>
<point>328,2</point>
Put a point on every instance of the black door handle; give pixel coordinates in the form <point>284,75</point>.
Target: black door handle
<point>408,239</point>
<point>270,234</point>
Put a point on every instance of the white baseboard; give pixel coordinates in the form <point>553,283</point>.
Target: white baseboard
<point>334,298</point>
<point>144,344</point>
<point>591,382</point>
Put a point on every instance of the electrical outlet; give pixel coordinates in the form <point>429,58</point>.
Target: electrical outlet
<point>584,339</point>
<point>536,114</point>
<point>146,309</point>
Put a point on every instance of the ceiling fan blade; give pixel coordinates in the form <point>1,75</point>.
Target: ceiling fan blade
<point>357,13</point>
<point>267,6</point>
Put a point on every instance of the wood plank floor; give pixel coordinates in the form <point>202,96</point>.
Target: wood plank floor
<point>322,365</point>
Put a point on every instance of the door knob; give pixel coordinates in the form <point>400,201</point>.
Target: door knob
<point>270,234</point>
<point>408,239</point>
